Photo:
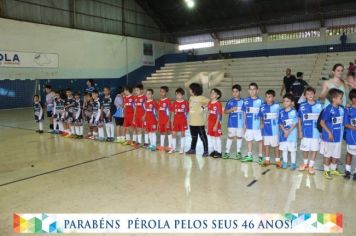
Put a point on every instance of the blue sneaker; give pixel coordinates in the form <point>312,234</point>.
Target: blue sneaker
<point>293,166</point>
<point>152,148</point>
<point>284,165</point>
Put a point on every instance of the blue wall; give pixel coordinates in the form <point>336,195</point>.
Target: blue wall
<point>25,89</point>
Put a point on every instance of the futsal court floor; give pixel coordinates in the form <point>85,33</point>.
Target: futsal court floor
<point>50,174</point>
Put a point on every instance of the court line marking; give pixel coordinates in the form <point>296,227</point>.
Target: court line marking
<point>14,127</point>
<point>66,167</point>
<point>251,183</point>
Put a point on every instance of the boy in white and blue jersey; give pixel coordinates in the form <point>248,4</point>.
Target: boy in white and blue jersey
<point>308,114</point>
<point>270,127</point>
<point>350,128</point>
<point>235,122</point>
<point>333,128</point>
<point>288,121</point>
<point>252,116</point>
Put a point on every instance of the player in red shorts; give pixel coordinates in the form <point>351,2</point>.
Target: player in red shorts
<point>128,114</point>
<point>150,119</point>
<point>180,109</point>
<point>164,124</point>
<point>138,124</point>
<point>214,121</point>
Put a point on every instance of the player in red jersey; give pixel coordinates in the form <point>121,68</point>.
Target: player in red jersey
<point>214,121</point>
<point>138,124</point>
<point>150,119</point>
<point>128,114</point>
<point>164,124</point>
<point>180,109</point>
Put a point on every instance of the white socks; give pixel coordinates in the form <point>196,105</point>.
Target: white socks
<point>146,139</point>
<point>101,132</point>
<point>174,143</point>
<point>293,156</point>
<point>72,131</point>
<point>182,142</point>
<point>40,125</point>
<point>238,144</point>
<point>162,136</point>
<point>169,140</point>
<point>139,138</point>
<point>60,126</point>
<point>348,168</point>
<point>153,138</point>
<point>127,137</point>
<point>228,145</point>
<point>110,129</point>
<point>216,144</point>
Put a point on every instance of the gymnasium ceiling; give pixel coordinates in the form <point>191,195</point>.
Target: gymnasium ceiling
<point>209,16</point>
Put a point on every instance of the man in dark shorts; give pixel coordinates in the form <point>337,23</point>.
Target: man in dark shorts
<point>297,88</point>
<point>288,80</point>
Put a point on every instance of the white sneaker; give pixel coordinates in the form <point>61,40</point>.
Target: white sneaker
<point>181,151</point>
<point>172,151</point>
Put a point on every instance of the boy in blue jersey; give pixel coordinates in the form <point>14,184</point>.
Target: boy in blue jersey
<point>350,126</point>
<point>288,133</point>
<point>251,109</point>
<point>308,114</point>
<point>333,128</point>
<point>270,127</point>
<point>235,123</point>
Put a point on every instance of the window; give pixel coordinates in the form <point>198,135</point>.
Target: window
<point>294,35</point>
<point>195,45</point>
<point>337,30</point>
<point>249,39</point>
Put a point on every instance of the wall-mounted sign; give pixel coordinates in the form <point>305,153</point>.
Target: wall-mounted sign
<point>28,59</point>
<point>148,54</point>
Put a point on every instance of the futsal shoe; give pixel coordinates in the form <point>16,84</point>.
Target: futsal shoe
<point>217,155</point>
<point>247,159</point>
<point>161,148</point>
<point>335,172</point>
<point>293,166</point>
<point>191,152</point>
<point>260,160</point>
<point>205,154</point>
<point>354,177</point>
<point>171,151</point>
<point>347,175</point>
<point>146,145</point>
<point>284,165</point>
<point>266,163</point>
<point>226,155</point>
<point>168,149</point>
<point>278,164</point>
<point>311,170</point>
<point>212,154</point>
<point>327,175</point>
<point>238,156</point>
<point>127,142</point>
<point>152,148</point>
<point>181,151</point>
<point>303,167</point>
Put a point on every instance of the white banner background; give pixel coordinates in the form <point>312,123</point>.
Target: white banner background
<point>28,59</point>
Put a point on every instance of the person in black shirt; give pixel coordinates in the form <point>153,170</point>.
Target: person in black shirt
<point>297,88</point>
<point>288,80</point>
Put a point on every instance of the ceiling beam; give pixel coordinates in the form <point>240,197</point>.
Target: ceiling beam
<point>145,6</point>
<point>253,10</point>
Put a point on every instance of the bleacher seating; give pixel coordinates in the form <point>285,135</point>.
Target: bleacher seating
<point>267,72</point>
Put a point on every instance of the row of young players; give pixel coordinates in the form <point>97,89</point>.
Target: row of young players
<point>249,118</point>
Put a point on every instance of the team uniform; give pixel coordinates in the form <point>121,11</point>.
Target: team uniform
<point>333,118</point>
<point>180,110</point>
<point>235,123</point>
<point>128,110</point>
<point>38,111</point>
<point>163,118</point>
<point>78,112</point>
<point>58,113</point>
<point>308,115</point>
<point>69,118</point>
<point>88,110</point>
<point>139,103</point>
<point>49,104</point>
<point>107,108</point>
<point>251,108</point>
<point>95,114</point>
<point>214,110</point>
<point>288,119</point>
<point>270,131</point>
<point>350,119</point>
<point>150,108</point>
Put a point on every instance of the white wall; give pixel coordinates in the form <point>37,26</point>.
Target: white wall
<point>82,54</point>
<point>267,44</point>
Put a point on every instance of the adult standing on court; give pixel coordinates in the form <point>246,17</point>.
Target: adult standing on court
<point>335,82</point>
<point>288,80</point>
<point>297,89</point>
<point>197,118</point>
